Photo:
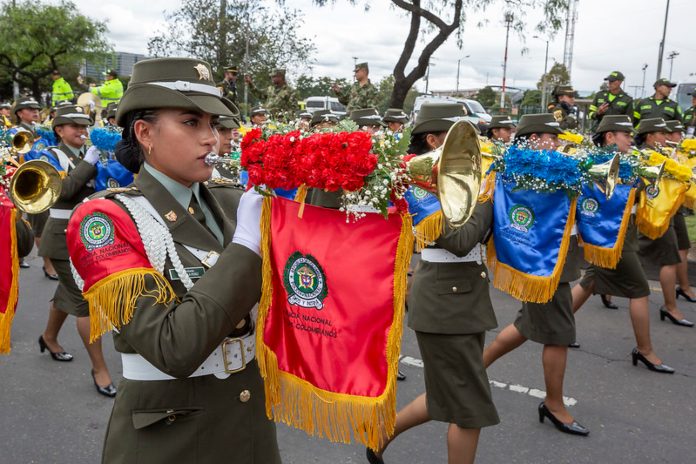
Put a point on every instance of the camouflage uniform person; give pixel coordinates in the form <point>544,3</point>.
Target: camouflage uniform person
<point>280,99</point>
<point>228,85</point>
<point>690,117</point>
<point>362,94</point>
<point>563,109</point>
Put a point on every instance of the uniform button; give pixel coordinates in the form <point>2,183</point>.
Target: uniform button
<point>483,275</point>
<point>245,396</point>
<point>454,289</point>
<point>191,210</point>
<point>65,231</point>
<point>172,416</point>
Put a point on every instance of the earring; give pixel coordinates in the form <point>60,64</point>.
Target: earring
<point>149,151</point>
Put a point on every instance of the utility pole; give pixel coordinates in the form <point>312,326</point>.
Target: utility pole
<point>244,62</point>
<point>568,45</point>
<point>458,62</point>
<point>662,44</point>
<point>427,79</point>
<point>635,90</point>
<point>642,89</point>
<point>543,79</point>
<point>671,57</point>
<point>508,22</point>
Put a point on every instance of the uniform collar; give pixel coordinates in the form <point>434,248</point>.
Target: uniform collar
<point>181,193</point>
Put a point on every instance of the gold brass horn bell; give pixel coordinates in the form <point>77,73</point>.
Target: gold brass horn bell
<point>452,172</point>
<point>35,186</point>
<point>19,139</point>
<point>606,175</point>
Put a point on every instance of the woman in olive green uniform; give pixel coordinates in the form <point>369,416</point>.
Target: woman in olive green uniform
<point>628,278</point>
<point>70,126</point>
<point>551,324</point>
<point>192,391</point>
<point>450,310</point>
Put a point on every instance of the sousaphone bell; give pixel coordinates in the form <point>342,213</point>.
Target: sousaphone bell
<point>35,186</point>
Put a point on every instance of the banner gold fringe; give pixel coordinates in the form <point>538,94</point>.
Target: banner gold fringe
<point>488,188</point>
<point>527,287</point>
<point>8,316</point>
<point>656,229</point>
<point>608,258</point>
<point>112,300</point>
<point>336,416</point>
<point>300,197</point>
<point>428,230</point>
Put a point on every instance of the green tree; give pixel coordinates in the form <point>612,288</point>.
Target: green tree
<point>37,38</point>
<point>307,86</point>
<point>386,88</point>
<point>487,97</point>
<point>557,75</point>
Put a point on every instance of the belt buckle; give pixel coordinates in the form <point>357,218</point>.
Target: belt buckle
<point>211,255</point>
<point>224,355</point>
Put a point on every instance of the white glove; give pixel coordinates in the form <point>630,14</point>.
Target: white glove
<point>248,232</point>
<point>92,155</point>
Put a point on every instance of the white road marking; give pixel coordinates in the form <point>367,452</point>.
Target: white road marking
<point>516,388</point>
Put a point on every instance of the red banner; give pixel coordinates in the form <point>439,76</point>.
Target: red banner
<point>330,319</point>
<point>9,270</point>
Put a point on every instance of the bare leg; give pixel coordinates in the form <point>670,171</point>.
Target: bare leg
<point>640,318</point>
<point>413,414</point>
<point>668,282</point>
<point>683,274</point>
<point>554,359</point>
<point>507,340</point>
<point>580,296</point>
<point>94,350</point>
<point>56,318</point>
<point>461,444</point>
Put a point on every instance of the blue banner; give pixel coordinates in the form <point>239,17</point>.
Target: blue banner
<point>599,219</point>
<point>421,204</point>
<point>112,174</point>
<point>44,155</point>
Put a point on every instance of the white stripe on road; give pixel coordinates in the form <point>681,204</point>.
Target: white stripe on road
<point>533,392</point>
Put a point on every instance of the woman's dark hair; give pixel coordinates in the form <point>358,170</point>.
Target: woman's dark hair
<point>640,139</point>
<point>419,144</point>
<point>128,151</point>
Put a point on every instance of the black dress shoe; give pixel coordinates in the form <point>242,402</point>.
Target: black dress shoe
<point>607,302</point>
<point>372,458</point>
<point>686,296</point>
<point>573,428</point>
<point>574,345</point>
<point>109,390</point>
<point>683,322</point>
<point>400,375</point>
<point>24,265</point>
<point>661,368</point>
<point>50,276</point>
<point>62,356</point>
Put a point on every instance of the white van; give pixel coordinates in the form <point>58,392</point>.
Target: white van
<point>475,113</point>
<point>313,104</point>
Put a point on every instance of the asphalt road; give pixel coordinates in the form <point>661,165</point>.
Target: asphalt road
<point>51,413</point>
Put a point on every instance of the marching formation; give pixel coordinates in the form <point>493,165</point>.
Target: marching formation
<point>220,254</point>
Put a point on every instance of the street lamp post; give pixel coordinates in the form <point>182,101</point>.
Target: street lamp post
<point>458,62</point>
<point>508,22</point>
<point>642,88</point>
<point>671,57</point>
<point>662,44</point>
<point>543,78</point>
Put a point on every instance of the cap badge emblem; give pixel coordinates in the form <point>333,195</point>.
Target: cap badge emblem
<point>203,73</point>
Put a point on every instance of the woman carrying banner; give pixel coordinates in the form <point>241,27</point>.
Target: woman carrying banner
<point>450,310</point>
<point>628,278</point>
<point>70,126</point>
<point>551,324</point>
<point>161,263</point>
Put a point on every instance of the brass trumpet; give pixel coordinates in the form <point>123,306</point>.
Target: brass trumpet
<point>452,172</point>
<point>606,175</point>
<point>18,140</point>
<point>35,186</point>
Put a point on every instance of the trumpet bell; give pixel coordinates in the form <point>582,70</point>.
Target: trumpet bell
<point>452,172</point>
<point>607,174</point>
<point>35,187</point>
<point>19,139</point>
<point>89,103</point>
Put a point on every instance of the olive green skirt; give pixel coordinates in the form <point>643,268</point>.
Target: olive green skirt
<point>628,280</point>
<point>37,222</point>
<point>683,242</point>
<point>662,251</point>
<point>550,323</point>
<point>68,298</point>
<point>457,390</point>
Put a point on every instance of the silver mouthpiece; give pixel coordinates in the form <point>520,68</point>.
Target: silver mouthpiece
<point>211,159</point>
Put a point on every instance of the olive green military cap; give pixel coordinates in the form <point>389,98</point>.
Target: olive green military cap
<point>71,114</point>
<point>231,68</point>
<point>26,102</point>
<point>437,117</point>
<point>663,81</point>
<point>543,123</point>
<point>501,121</point>
<point>649,125</point>
<point>174,83</point>
<point>674,126</point>
<point>5,106</point>
<point>366,117</point>
<point>258,110</point>
<point>111,112</point>
<point>615,123</point>
<point>395,115</point>
<point>228,122</point>
<point>564,90</point>
<point>278,72</point>
<point>615,76</point>
<point>362,66</point>
<point>323,116</point>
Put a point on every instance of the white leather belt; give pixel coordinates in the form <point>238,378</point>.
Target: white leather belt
<point>634,210</point>
<point>207,258</point>
<point>229,357</point>
<point>59,213</point>
<point>574,230</point>
<point>440,255</point>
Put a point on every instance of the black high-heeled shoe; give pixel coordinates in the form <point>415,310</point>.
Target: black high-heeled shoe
<point>23,264</point>
<point>109,390</point>
<point>574,428</point>
<point>62,356</point>
<point>372,458</point>
<point>50,276</point>
<point>666,314</point>
<point>607,302</point>
<point>686,296</point>
<point>400,376</point>
<point>661,368</point>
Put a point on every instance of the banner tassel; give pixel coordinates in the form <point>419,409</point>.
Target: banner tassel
<point>428,230</point>
<point>300,197</point>
<point>6,319</point>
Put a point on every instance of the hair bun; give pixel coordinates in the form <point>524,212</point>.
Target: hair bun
<point>128,154</point>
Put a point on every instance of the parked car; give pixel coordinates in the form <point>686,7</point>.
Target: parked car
<point>313,104</point>
<point>475,112</point>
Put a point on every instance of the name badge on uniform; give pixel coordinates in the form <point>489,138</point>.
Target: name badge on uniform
<point>193,273</point>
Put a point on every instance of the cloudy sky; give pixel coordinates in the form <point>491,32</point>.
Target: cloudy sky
<point>610,35</point>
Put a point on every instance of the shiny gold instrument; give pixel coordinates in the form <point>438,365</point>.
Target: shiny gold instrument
<point>19,140</point>
<point>452,172</point>
<point>35,186</point>
<point>606,175</point>
<point>91,104</point>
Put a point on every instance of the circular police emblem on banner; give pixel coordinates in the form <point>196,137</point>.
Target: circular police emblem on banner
<point>112,183</point>
<point>44,158</point>
<point>521,218</point>
<point>652,191</point>
<point>96,231</point>
<point>589,206</point>
<point>304,281</point>
<point>419,193</point>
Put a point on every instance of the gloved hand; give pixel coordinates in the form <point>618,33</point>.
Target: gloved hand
<point>248,232</point>
<point>92,155</point>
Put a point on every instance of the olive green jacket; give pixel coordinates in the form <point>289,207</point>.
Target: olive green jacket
<point>620,104</point>
<point>227,194</point>
<point>281,102</point>
<point>647,108</point>
<point>74,190</point>
<point>201,419</point>
<point>358,96</point>
<point>453,298</point>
